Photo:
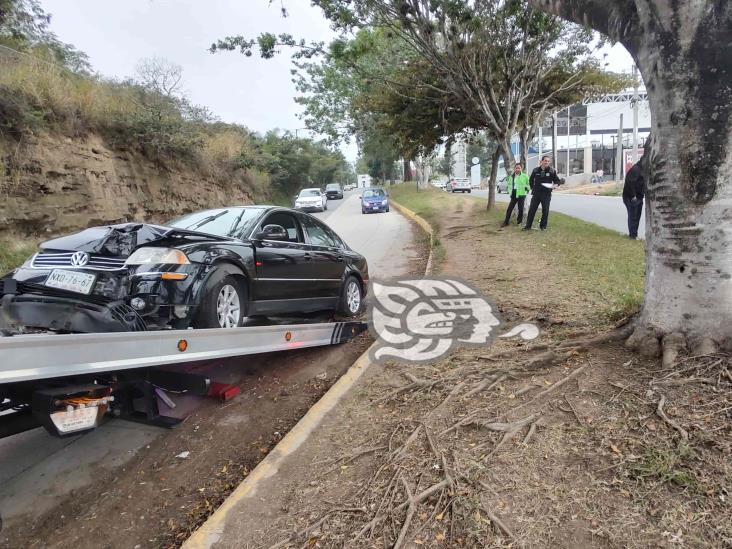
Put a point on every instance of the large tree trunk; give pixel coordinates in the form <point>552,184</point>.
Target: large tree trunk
<point>682,51</point>
<point>407,169</point>
<point>494,176</point>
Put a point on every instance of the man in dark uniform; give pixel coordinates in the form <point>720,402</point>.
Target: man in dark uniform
<point>633,193</point>
<point>543,181</point>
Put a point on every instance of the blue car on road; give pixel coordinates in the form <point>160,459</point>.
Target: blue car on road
<point>374,199</point>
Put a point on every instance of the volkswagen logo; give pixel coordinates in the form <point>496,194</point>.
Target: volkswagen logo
<point>79,259</point>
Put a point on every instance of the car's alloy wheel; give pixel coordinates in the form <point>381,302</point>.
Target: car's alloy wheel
<point>351,300</point>
<point>228,307</point>
<point>353,297</point>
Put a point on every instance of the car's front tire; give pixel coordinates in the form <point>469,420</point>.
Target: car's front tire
<point>222,304</point>
<point>351,301</point>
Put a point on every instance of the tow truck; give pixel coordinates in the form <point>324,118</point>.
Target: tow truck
<point>71,383</point>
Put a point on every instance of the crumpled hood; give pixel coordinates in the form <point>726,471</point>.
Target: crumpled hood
<point>119,240</point>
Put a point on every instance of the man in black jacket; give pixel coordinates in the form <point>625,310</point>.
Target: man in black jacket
<point>543,181</point>
<point>633,193</point>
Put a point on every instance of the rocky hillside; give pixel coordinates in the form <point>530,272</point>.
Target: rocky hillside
<point>50,185</point>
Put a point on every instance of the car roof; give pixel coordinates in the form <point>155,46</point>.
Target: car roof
<point>311,189</point>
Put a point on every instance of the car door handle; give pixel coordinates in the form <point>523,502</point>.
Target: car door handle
<point>339,258</point>
<point>307,257</point>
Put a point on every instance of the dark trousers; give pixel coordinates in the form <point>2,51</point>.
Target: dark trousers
<point>520,201</point>
<point>634,215</point>
<point>539,197</point>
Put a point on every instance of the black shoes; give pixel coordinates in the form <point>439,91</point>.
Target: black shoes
<point>504,224</point>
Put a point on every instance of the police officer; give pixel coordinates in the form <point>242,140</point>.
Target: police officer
<point>543,181</point>
<point>518,188</point>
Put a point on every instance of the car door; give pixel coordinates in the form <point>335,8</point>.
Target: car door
<point>282,267</point>
<point>327,265</point>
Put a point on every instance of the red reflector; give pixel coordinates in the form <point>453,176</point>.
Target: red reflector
<point>259,263</point>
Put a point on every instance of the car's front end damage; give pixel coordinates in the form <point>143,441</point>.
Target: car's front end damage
<point>104,279</point>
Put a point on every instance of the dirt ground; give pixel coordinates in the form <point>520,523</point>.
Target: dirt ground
<point>570,441</point>
<point>157,499</point>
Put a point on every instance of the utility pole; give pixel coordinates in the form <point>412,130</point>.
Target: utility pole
<point>619,163</point>
<point>567,141</point>
<point>554,140</point>
<point>636,100</point>
<point>541,139</point>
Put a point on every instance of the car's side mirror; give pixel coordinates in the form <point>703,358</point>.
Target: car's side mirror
<point>272,232</point>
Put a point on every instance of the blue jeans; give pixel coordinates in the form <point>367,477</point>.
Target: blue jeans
<point>634,215</point>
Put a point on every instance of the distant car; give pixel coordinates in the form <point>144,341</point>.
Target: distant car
<point>502,185</point>
<point>349,187</point>
<point>374,199</point>
<point>475,185</point>
<point>334,191</point>
<point>311,200</point>
<point>459,185</point>
<point>439,184</point>
<point>208,269</point>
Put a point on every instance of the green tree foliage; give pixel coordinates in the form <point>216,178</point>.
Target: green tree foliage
<point>24,26</point>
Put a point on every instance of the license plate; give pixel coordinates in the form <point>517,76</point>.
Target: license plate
<point>81,283</point>
<point>75,420</point>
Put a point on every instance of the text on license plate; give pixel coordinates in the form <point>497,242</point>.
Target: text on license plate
<point>69,280</point>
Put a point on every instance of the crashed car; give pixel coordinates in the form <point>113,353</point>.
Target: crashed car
<point>209,269</point>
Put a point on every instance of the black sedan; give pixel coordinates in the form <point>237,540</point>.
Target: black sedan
<point>208,269</point>
<point>333,191</point>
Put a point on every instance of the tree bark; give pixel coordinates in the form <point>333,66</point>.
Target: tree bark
<point>494,176</point>
<point>524,136</point>
<point>407,170</point>
<point>682,51</point>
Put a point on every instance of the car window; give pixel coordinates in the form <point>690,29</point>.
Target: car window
<point>288,221</point>
<point>221,222</point>
<point>310,192</point>
<point>373,193</point>
<point>337,239</point>
<point>318,233</point>
<point>333,186</point>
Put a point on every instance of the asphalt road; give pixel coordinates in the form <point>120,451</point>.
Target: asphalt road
<point>606,211</point>
<point>376,235</point>
<point>38,471</point>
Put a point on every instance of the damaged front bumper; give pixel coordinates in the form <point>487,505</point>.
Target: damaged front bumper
<point>23,307</point>
<point>27,304</point>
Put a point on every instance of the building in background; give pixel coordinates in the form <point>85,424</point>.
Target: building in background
<point>587,138</point>
<point>459,159</point>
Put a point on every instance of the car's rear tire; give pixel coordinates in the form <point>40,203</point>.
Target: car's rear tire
<point>350,303</point>
<point>222,305</point>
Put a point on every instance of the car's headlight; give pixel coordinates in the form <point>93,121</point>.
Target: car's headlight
<point>167,256</point>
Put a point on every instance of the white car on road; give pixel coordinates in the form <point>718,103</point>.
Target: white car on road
<point>459,184</point>
<point>311,200</point>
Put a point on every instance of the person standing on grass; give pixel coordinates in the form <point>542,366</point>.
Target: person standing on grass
<point>518,188</point>
<point>633,193</point>
<point>543,181</point>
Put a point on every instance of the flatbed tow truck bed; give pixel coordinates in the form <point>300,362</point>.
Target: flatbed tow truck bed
<point>69,383</point>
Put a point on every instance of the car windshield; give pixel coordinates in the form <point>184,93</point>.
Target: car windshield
<point>309,192</point>
<point>220,222</point>
<point>373,193</point>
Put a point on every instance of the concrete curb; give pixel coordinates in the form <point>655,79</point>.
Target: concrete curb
<point>211,530</point>
<point>426,227</point>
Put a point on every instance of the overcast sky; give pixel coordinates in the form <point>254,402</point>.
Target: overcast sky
<point>251,91</point>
